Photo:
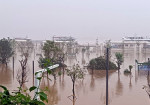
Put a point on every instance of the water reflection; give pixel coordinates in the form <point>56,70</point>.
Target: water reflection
<point>100,73</point>
<point>83,60</point>
<point>53,97</point>
<point>72,100</point>
<point>91,91</point>
<point>5,72</point>
<point>92,83</point>
<point>147,86</point>
<point>130,76</point>
<point>119,86</point>
<point>148,78</point>
<point>52,91</point>
<point>61,80</point>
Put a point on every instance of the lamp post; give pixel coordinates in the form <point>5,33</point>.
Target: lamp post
<point>107,67</point>
<point>108,46</point>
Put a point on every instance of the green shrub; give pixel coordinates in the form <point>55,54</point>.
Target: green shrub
<point>44,62</point>
<point>100,64</point>
<point>22,97</point>
<point>126,71</point>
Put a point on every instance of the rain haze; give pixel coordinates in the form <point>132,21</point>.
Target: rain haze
<point>85,20</point>
<point>63,72</point>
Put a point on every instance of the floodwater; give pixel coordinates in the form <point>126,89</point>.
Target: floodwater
<point>123,89</point>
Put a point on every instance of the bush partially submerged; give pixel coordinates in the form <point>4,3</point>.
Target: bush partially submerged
<point>22,97</point>
<point>126,71</point>
<point>100,64</point>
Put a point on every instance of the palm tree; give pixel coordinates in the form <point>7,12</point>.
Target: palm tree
<point>130,67</point>
<point>119,58</point>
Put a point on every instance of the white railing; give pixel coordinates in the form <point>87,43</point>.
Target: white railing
<point>39,74</point>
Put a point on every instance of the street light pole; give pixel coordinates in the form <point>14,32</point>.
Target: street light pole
<point>107,67</point>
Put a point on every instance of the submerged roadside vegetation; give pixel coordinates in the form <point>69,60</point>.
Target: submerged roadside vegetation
<point>100,64</point>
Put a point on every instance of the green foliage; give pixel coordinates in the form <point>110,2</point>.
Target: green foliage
<point>53,55</point>
<point>108,44</point>
<point>18,98</point>
<point>6,50</point>
<point>75,73</point>
<point>126,71</point>
<point>59,73</point>
<point>32,88</point>
<point>119,58</point>
<point>50,49</point>
<point>100,64</point>
<point>44,62</point>
<point>43,96</point>
<point>22,97</point>
<point>130,67</point>
<point>53,52</point>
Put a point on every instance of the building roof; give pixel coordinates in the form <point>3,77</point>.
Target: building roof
<point>136,39</point>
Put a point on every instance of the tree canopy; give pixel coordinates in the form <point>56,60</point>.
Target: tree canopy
<point>119,57</point>
<point>6,50</point>
<point>100,64</point>
<point>53,52</point>
<point>50,49</point>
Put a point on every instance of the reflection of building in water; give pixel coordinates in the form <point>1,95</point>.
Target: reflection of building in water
<point>142,74</point>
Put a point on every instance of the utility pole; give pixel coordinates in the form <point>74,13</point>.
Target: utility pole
<point>107,67</point>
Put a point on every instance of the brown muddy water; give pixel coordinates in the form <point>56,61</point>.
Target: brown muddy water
<point>123,89</point>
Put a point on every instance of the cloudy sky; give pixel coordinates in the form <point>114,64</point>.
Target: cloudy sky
<point>85,20</point>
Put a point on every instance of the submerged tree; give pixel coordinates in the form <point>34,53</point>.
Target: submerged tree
<point>23,97</point>
<point>25,48</point>
<point>45,63</point>
<point>50,50</point>
<point>6,50</point>
<point>75,73</point>
<point>54,53</point>
<point>100,64</point>
<point>119,58</point>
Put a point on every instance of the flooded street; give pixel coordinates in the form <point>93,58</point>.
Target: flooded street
<point>123,89</point>
<point>66,52</point>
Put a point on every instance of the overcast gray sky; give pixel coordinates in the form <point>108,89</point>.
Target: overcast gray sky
<point>83,19</point>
